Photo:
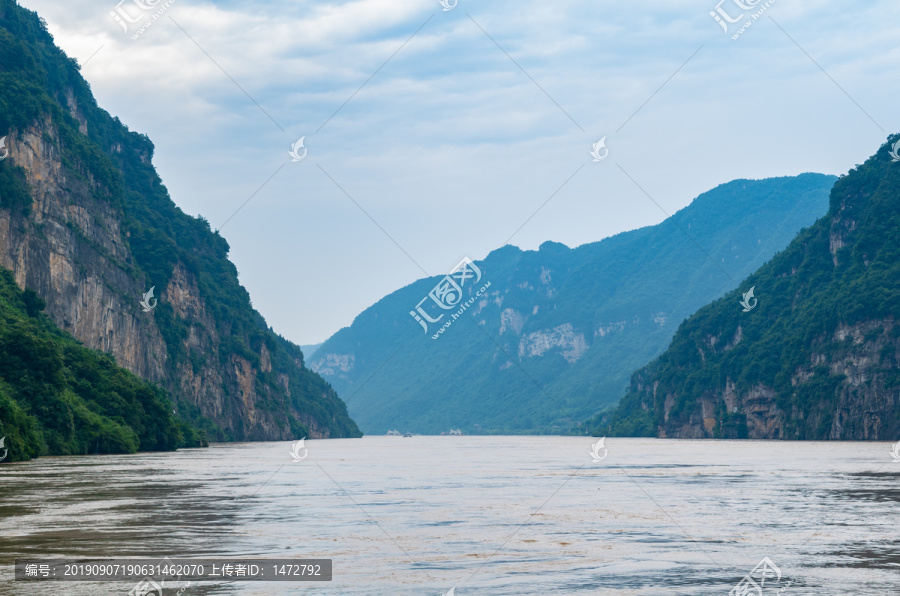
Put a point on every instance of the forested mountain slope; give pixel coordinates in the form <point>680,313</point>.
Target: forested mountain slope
<point>818,357</point>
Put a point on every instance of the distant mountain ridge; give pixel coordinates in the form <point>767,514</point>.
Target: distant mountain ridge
<point>558,333</point>
<point>817,357</point>
<point>86,223</point>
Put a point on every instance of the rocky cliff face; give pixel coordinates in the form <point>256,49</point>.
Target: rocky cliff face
<point>860,408</point>
<point>86,223</point>
<point>72,251</point>
<point>818,358</point>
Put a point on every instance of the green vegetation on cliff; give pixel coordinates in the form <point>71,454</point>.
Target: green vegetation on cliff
<point>59,398</point>
<point>819,356</point>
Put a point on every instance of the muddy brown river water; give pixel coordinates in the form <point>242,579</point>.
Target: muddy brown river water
<point>482,515</point>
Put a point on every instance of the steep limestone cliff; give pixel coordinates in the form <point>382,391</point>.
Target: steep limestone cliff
<point>71,250</point>
<point>87,224</point>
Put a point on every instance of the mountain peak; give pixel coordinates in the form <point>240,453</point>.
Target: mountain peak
<point>551,247</point>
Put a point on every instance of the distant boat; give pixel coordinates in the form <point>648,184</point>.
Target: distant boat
<point>393,433</point>
<point>456,432</point>
<point>408,435</point>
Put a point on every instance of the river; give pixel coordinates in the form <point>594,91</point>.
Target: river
<point>482,515</point>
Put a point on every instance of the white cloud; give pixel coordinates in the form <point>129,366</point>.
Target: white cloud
<point>450,146</point>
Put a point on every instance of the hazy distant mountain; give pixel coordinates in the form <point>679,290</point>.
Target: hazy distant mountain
<point>556,335</point>
<point>817,355</point>
<point>310,349</point>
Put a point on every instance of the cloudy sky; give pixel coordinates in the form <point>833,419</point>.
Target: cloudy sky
<point>436,134</point>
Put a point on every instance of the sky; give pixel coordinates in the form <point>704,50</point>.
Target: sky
<point>430,135</point>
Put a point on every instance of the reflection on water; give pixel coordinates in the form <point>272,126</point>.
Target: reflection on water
<point>488,515</point>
